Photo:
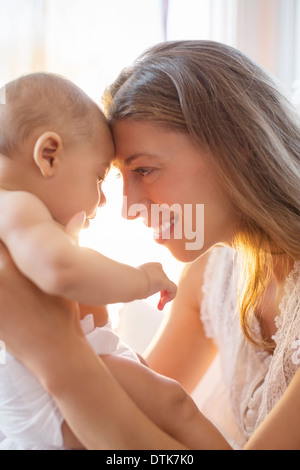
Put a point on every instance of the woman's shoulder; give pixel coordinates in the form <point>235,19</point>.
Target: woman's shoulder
<point>198,275</point>
<point>216,263</point>
<point>217,254</point>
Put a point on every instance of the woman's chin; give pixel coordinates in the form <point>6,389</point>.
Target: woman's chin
<point>179,251</point>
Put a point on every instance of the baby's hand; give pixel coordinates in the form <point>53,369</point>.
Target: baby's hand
<point>158,281</point>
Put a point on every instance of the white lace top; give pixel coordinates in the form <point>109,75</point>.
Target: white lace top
<point>256,380</point>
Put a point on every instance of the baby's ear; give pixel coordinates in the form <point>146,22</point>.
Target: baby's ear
<point>47,151</point>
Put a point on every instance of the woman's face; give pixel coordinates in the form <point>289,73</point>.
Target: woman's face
<point>167,180</point>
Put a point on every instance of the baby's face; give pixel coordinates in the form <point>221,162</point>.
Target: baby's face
<point>87,165</point>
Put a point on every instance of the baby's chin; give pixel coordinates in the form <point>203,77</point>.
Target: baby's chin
<point>86,224</point>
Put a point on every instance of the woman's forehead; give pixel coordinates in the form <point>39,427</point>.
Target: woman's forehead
<point>141,138</point>
<point>148,139</point>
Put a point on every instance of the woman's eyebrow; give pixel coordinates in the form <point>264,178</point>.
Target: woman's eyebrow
<point>119,163</point>
<point>132,158</point>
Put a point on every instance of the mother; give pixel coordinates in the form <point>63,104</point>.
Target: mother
<point>196,122</point>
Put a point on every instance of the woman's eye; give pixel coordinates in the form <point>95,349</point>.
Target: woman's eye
<point>143,171</point>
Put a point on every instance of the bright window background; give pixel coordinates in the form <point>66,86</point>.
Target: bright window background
<point>90,41</point>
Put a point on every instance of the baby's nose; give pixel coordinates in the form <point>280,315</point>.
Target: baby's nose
<point>102,199</point>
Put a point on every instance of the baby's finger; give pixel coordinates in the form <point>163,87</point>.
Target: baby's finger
<point>164,299</point>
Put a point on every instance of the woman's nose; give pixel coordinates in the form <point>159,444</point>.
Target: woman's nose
<point>132,208</point>
<point>127,211</point>
<point>135,200</point>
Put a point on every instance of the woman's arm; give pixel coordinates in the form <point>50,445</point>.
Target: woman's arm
<point>97,409</point>
<point>175,412</point>
<point>181,349</point>
<point>280,430</point>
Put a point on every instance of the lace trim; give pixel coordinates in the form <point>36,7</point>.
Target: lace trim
<point>286,358</point>
<point>252,411</point>
<point>270,380</point>
<point>206,288</point>
<point>289,287</point>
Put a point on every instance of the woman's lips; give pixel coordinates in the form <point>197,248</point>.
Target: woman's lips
<point>164,230</point>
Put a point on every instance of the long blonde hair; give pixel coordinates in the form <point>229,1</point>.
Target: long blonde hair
<point>227,102</point>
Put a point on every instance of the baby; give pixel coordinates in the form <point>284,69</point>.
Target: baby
<point>55,150</point>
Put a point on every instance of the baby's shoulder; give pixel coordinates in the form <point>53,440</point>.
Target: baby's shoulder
<point>18,208</point>
<point>9,196</point>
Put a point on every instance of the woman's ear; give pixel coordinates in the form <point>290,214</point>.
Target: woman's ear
<point>47,152</point>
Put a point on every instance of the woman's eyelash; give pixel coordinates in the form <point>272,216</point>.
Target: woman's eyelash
<point>142,171</point>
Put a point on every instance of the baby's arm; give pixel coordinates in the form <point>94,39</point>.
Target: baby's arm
<point>50,259</point>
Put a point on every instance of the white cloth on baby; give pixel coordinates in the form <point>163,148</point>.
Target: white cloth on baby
<point>29,417</point>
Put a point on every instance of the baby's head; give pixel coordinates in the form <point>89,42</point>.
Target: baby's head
<point>54,142</point>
